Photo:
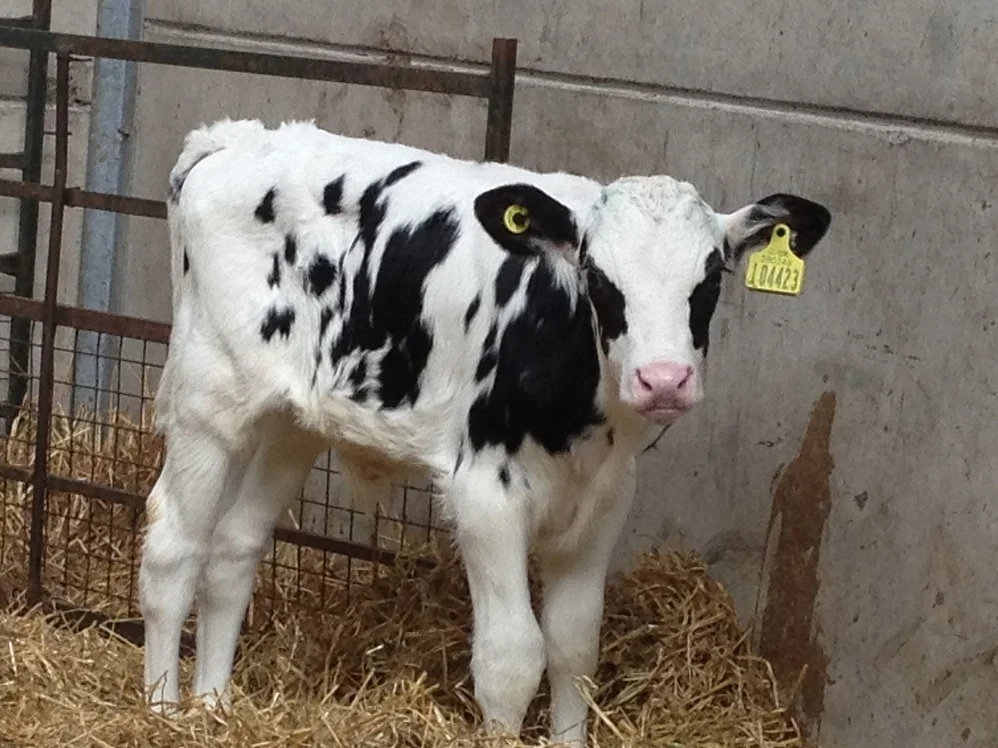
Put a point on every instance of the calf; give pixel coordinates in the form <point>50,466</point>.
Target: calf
<point>513,335</point>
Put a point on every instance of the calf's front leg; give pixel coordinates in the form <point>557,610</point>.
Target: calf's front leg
<point>572,612</point>
<point>507,643</point>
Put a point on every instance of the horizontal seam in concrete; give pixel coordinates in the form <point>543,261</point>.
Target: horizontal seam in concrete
<point>898,128</point>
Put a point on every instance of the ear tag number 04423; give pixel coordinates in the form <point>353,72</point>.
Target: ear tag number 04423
<point>775,268</point>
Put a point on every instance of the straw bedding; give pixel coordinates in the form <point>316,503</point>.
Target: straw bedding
<point>385,666</point>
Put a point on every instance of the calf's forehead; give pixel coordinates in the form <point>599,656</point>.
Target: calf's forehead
<point>658,217</point>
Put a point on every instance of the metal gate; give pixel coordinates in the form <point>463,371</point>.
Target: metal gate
<point>109,483</point>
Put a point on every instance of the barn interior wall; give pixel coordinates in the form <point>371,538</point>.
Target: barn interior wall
<point>882,490</point>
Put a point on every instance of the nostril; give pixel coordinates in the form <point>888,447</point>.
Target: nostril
<point>642,384</point>
<point>686,379</point>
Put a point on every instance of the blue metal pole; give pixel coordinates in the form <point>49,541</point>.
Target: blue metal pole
<point>108,164</point>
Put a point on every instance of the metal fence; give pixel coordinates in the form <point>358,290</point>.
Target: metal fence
<point>79,479</point>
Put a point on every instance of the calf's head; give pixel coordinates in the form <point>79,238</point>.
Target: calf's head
<point>654,255</point>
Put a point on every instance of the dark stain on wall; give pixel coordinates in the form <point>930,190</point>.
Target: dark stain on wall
<point>801,504</point>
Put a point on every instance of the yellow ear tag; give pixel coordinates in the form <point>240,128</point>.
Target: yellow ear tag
<point>516,219</point>
<point>775,268</point>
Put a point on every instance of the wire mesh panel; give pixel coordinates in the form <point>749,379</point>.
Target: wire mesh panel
<point>302,575</point>
<point>101,437</point>
<point>105,456</point>
<point>17,443</point>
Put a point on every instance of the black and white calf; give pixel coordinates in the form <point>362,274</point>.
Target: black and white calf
<point>515,335</point>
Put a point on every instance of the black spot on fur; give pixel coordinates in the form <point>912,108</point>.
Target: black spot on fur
<point>324,319</point>
<point>504,476</point>
<point>277,321</point>
<point>372,213</point>
<point>274,279</point>
<point>546,377</point>
<point>483,423</point>
<point>332,195</point>
<point>391,311</point>
<point>472,311</point>
<point>609,437</point>
<point>485,365</point>
<point>359,374</point>
<point>321,275</point>
<point>401,172</point>
<point>360,395</point>
<point>397,304</point>
<point>410,255</point>
<point>609,304</point>
<point>290,249</point>
<point>490,338</point>
<point>508,278</point>
<point>187,263</point>
<point>265,210</point>
<point>703,301</point>
<point>359,329</point>
<point>342,298</point>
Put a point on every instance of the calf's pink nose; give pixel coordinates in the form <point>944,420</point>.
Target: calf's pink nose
<point>664,385</point>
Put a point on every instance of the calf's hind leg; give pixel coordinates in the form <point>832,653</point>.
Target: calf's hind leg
<point>182,510</point>
<point>274,475</point>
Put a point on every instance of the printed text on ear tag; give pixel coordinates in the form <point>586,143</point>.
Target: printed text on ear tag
<point>775,268</point>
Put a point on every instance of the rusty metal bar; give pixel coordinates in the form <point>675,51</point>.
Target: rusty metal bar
<point>22,22</point>
<point>281,534</point>
<point>94,491</point>
<point>502,81</point>
<point>11,160</point>
<point>381,75</point>
<point>87,319</point>
<point>9,262</point>
<point>27,223</point>
<point>47,371</point>
<point>79,198</point>
<point>19,306</point>
<point>113,324</point>
<point>31,191</point>
<point>12,472</point>
<point>132,206</point>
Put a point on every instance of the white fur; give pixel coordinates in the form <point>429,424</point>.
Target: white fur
<point>244,420</point>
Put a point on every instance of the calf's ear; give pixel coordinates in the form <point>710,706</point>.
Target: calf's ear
<point>524,220</point>
<point>751,227</point>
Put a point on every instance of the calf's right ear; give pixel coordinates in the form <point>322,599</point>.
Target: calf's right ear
<point>524,220</point>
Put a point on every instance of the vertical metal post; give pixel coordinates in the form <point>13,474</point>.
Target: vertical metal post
<point>47,371</point>
<point>27,226</point>
<point>107,171</point>
<point>500,118</point>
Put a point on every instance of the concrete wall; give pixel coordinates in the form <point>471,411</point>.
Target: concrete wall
<point>840,477</point>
